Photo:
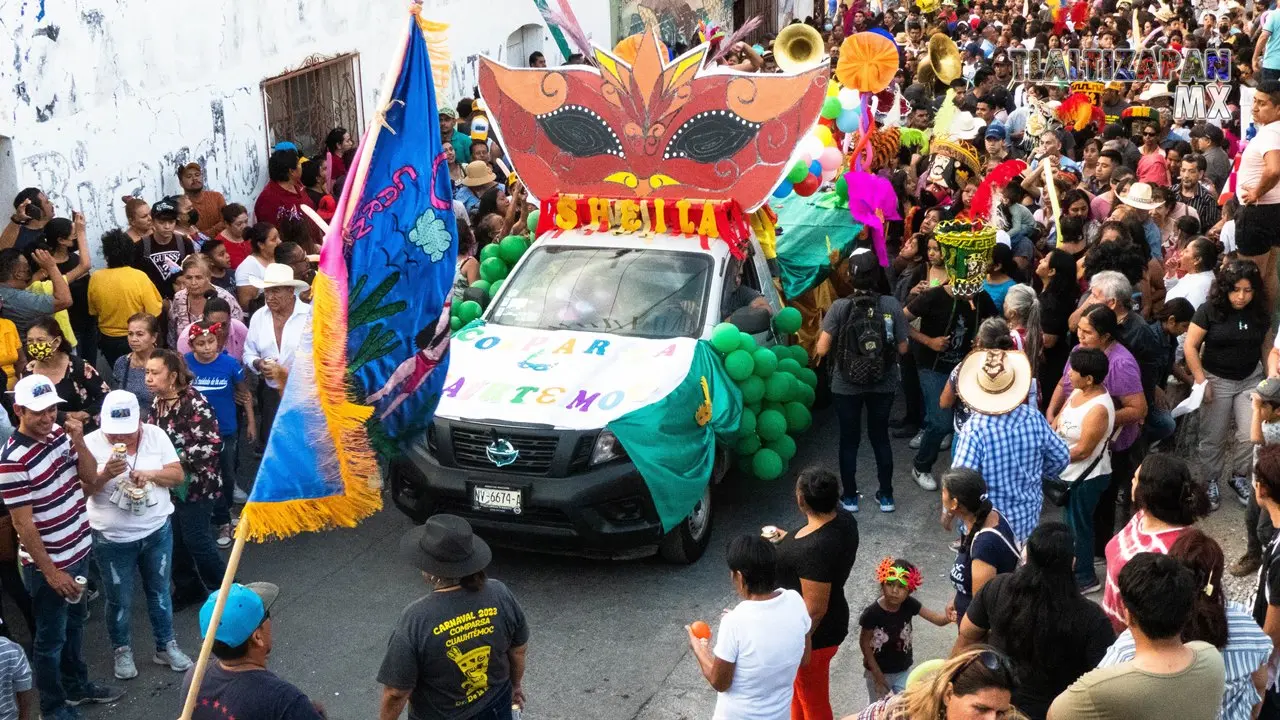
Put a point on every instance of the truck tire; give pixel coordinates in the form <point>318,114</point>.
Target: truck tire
<point>687,541</point>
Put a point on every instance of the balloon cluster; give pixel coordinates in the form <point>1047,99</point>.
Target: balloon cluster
<point>496,261</point>
<point>818,160</point>
<point>777,392</point>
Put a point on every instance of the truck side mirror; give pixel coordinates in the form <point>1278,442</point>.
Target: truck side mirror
<point>752,320</point>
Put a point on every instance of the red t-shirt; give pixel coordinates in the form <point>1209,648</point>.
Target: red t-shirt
<point>238,250</point>
<point>276,205</point>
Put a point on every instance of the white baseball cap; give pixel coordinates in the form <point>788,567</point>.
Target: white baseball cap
<point>120,413</point>
<point>35,392</point>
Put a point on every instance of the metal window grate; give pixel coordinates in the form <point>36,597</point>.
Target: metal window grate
<point>302,106</point>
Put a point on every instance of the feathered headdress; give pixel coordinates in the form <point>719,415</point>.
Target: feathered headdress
<point>1077,112</point>
<point>1077,15</point>
<point>890,571</point>
<point>980,208</point>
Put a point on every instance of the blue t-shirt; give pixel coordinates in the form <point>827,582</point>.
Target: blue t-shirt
<point>1271,56</point>
<point>216,381</point>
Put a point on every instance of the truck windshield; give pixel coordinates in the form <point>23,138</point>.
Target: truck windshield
<point>641,293</point>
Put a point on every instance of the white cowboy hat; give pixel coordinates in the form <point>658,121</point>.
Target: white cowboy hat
<point>1157,90</point>
<point>994,382</point>
<point>1141,196</point>
<point>965,126</point>
<point>278,275</point>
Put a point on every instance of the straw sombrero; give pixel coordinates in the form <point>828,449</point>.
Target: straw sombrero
<point>994,382</point>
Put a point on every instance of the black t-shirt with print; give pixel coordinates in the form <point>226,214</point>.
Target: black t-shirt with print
<point>942,314</point>
<point>450,649</point>
<point>891,633</point>
<point>1231,341</point>
<point>228,694</point>
<point>824,555</point>
<point>162,263</point>
<point>1268,581</point>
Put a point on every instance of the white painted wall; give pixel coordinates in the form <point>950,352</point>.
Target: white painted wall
<point>105,98</point>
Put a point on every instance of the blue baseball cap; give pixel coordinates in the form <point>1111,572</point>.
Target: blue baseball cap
<point>996,131</point>
<point>246,608</point>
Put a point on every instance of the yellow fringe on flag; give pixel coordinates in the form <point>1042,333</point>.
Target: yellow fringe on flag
<point>354,461</point>
<point>437,35</point>
<point>763,227</point>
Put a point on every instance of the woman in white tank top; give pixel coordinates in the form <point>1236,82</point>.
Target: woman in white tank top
<point>1085,424</point>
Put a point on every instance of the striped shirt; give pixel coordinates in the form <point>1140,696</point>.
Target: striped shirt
<point>15,677</point>
<point>1247,649</point>
<point>1205,203</point>
<point>44,476</point>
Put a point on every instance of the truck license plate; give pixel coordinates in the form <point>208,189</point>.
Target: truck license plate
<point>504,499</point>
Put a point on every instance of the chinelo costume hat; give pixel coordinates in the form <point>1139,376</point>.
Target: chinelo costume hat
<point>966,253</point>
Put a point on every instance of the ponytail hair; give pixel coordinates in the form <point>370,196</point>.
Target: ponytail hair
<point>1022,303</point>
<point>970,490</point>
<point>1203,556</point>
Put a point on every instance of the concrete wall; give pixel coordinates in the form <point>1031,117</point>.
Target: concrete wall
<point>105,98</point>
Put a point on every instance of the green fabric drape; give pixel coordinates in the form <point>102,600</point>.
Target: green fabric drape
<point>813,228</point>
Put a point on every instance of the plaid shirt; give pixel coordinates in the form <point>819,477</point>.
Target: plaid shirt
<point>1013,452</point>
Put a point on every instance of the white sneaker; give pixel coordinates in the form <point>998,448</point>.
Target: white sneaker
<point>915,441</point>
<point>125,668</point>
<point>172,656</point>
<point>239,497</point>
<point>924,480</point>
<point>224,537</point>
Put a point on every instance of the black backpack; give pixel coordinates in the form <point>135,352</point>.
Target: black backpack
<point>862,348</point>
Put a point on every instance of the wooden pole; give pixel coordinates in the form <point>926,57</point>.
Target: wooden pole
<point>202,664</point>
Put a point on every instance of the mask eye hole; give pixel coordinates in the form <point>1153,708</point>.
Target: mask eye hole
<point>711,136</point>
<point>580,132</point>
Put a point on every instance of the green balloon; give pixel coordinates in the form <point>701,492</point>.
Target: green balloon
<point>747,425</point>
<point>771,425</point>
<point>494,287</point>
<point>746,342</point>
<point>798,417</point>
<point>842,189</point>
<point>482,284</point>
<point>748,444</point>
<point>807,377</point>
<point>752,390</point>
<point>798,172</point>
<point>771,405</point>
<point>753,407</point>
<point>805,395</point>
<point>782,352</point>
<point>831,108</point>
<point>455,309</point>
<point>766,362</point>
<point>799,354</point>
<point>767,465</point>
<point>534,217</point>
<point>493,269</point>
<point>789,365</point>
<point>491,250</point>
<point>779,386</point>
<point>739,364</point>
<point>511,248</point>
<point>470,311</point>
<point>724,338</point>
<point>785,446</point>
<point>455,324</point>
<point>788,320</point>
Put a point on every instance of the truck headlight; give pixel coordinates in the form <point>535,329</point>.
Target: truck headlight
<point>607,448</point>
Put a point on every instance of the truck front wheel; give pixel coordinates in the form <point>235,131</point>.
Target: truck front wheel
<point>687,541</point>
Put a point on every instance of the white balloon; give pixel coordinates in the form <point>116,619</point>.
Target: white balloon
<point>811,146</point>
<point>848,98</point>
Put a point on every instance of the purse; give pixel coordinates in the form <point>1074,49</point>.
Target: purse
<point>1058,491</point>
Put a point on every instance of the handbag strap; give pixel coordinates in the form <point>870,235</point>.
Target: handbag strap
<point>1000,535</point>
<point>1106,445</point>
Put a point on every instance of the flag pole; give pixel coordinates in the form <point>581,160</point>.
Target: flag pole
<point>202,664</point>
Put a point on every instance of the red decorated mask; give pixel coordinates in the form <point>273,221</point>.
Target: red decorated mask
<point>653,128</point>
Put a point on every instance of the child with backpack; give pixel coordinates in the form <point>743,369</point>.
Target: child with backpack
<point>864,334</point>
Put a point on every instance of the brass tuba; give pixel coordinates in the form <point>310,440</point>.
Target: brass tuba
<point>798,47</point>
<point>944,58</point>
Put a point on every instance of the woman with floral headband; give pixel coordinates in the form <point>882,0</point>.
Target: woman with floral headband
<point>886,627</point>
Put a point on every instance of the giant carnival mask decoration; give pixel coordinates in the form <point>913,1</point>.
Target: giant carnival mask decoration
<point>653,128</point>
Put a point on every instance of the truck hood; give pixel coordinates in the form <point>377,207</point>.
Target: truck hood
<point>557,378</point>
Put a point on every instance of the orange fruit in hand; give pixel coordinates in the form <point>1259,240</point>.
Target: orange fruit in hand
<point>701,630</point>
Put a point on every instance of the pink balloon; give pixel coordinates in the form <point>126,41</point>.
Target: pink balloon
<point>830,159</point>
<point>829,175</point>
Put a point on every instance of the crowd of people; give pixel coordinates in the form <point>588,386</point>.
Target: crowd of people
<point>1042,320</point>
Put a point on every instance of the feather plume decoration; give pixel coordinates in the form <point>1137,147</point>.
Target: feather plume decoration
<point>1076,111</point>
<point>570,27</point>
<point>946,114</point>
<point>915,139</point>
<point>982,204</point>
<point>738,35</point>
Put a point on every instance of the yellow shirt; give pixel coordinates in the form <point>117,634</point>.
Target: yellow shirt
<point>116,294</point>
<point>9,345</point>
<point>45,287</point>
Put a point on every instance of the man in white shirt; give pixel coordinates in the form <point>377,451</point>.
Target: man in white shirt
<point>275,331</point>
<point>761,642</point>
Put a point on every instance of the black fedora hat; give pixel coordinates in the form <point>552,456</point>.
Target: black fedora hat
<point>445,547</point>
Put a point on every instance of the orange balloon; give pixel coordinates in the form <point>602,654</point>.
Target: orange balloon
<point>701,630</point>
<point>868,62</point>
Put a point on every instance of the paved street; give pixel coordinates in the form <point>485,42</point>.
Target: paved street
<point>608,640</point>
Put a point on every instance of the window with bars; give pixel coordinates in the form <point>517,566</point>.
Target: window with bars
<point>302,106</point>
